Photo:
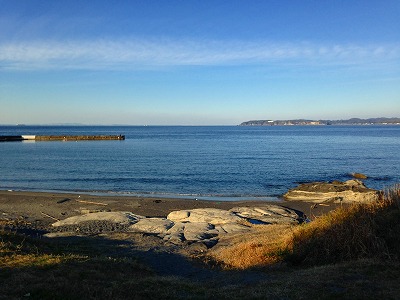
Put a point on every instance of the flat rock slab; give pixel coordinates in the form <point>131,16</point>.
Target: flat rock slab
<point>119,217</point>
<point>208,215</point>
<point>269,214</point>
<point>336,191</point>
<point>197,225</point>
<point>152,225</point>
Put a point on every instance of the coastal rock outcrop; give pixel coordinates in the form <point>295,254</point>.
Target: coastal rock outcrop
<point>346,192</point>
<point>203,225</point>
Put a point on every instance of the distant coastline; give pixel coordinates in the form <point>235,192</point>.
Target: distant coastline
<point>305,122</point>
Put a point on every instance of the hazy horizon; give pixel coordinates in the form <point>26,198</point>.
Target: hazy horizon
<point>99,124</point>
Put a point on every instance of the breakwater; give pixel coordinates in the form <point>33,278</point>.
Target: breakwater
<point>15,138</point>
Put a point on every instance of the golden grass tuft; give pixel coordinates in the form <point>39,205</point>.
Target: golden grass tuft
<point>249,250</point>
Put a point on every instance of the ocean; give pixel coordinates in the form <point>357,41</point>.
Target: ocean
<point>206,162</point>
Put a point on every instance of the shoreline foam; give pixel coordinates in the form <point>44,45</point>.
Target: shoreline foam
<point>225,198</point>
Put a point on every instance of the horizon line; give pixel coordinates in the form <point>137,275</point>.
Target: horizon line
<point>188,125</point>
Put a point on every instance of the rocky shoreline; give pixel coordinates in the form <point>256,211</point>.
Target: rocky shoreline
<point>349,191</point>
<point>205,225</point>
<point>173,221</point>
<point>154,228</point>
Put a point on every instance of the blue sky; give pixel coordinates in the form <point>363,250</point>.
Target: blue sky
<point>197,62</point>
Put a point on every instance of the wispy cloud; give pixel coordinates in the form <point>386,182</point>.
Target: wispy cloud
<point>136,53</point>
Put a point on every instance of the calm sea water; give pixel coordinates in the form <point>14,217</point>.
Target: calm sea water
<point>202,162</point>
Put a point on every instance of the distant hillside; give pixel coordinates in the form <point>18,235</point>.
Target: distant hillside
<point>352,121</point>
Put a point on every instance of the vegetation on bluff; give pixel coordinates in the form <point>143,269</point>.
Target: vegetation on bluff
<point>352,121</point>
<point>351,232</point>
<point>362,231</point>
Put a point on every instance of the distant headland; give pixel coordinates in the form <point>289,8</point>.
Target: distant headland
<point>352,121</point>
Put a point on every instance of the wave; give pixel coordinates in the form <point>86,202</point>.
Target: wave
<point>205,197</point>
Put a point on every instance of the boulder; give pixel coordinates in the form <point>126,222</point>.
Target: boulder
<point>267,214</point>
<point>347,192</point>
<point>207,215</point>
<point>119,217</point>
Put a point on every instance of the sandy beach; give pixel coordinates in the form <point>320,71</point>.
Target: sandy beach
<point>45,208</point>
<point>33,213</point>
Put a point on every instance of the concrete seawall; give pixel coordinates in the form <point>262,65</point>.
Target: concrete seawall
<point>13,138</point>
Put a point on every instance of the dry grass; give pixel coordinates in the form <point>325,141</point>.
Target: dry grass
<point>393,195</point>
<point>356,232</point>
<point>248,250</point>
<point>348,233</point>
<point>17,251</point>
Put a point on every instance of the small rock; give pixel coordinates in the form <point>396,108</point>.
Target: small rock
<point>63,200</point>
<point>359,176</point>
